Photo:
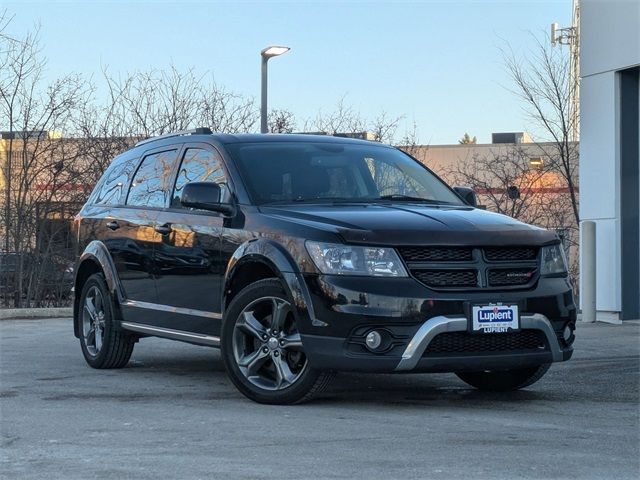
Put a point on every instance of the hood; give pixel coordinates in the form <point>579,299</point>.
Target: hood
<point>402,224</point>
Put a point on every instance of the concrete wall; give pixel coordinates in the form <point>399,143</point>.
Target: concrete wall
<point>610,41</point>
<point>610,35</point>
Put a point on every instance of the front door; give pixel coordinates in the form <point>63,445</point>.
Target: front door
<point>189,268</point>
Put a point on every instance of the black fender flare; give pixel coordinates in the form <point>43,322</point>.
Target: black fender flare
<point>280,261</point>
<point>97,253</point>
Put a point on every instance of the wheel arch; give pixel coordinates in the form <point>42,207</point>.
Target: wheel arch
<point>262,258</point>
<point>94,259</point>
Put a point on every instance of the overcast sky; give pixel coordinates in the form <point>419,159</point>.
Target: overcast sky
<point>437,63</point>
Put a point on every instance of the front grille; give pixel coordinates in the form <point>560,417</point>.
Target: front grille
<point>510,254</point>
<point>436,254</point>
<point>482,343</point>
<point>442,267</point>
<point>510,276</point>
<point>447,278</point>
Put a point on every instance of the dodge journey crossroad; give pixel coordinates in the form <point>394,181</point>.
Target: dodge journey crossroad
<point>299,256</point>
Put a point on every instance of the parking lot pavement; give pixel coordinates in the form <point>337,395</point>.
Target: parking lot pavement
<point>173,414</point>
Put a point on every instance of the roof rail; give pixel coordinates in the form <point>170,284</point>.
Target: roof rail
<point>194,131</point>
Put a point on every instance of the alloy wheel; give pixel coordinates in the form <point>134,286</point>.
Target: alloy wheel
<point>93,320</point>
<point>266,344</point>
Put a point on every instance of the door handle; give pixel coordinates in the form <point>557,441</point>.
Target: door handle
<point>113,225</point>
<point>163,229</point>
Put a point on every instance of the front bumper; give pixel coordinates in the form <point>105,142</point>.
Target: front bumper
<point>349,308</point>
<point>330,352</point>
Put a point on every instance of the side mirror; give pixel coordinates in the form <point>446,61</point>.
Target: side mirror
<point>205,196</point>
<point>468,195</point>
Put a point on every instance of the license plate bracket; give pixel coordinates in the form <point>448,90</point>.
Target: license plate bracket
<point>495,317</point>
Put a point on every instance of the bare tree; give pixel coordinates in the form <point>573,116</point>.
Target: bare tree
<point>542,80</point>
<point>281,121</point>
<point>506,182</point>
<point>37,168</point>
<point>410,142</point>
<point>346,119</point>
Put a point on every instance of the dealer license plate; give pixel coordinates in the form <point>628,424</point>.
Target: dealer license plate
<point>494,318</point>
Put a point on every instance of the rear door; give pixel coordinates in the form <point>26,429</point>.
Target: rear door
<point>107,219</point>
<point>190,271</point>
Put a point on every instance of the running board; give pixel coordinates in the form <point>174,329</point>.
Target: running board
<point>197,338</point>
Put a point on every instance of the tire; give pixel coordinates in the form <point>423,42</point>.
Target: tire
<point>112,347</point>
<point>261,348</point>
<point>505,380</point>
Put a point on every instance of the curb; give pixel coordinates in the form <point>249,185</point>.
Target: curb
<point>22,313</point>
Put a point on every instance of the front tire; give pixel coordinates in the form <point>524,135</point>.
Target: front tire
<point>505,380</point>
<point>262,350</point>
<point>103,344</point>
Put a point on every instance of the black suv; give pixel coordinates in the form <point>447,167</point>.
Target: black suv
<point>302,255</point>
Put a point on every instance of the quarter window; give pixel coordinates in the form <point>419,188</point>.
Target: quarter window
<point>151,183</point>
<point>198,165</point>
<point>111,189</point>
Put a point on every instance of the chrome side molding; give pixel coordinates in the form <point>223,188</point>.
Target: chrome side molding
<point>441,324</point>
<point>199,338</point>
<point>170,309</point>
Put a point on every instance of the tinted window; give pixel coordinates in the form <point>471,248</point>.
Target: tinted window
<point>312,172</point>
<point>111,189</point>
<point>197,165</point>
<point>151,183</point>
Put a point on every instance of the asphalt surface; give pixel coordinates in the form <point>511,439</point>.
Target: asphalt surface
<point>173,414</point>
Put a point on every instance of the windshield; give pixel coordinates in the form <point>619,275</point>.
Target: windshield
<point>333,172</point>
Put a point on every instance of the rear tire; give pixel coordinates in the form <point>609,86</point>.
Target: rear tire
<point>505,380</point>
<point>261,348</point>
<point>103,343</point>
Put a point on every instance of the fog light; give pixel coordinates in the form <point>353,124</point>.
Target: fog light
<point>567,333</point>
<point>373,340</point>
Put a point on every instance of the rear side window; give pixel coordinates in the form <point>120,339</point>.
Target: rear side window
<point>152,182</point>
<point>198,165</point>
<point>111,189</point>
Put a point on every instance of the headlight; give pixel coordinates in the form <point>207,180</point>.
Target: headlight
<point>553,260</point>
<point>338,259</point>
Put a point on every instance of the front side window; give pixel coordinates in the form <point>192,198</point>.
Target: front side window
<point>150,186</point>
<point>198,165</point>
<point>317,172</point>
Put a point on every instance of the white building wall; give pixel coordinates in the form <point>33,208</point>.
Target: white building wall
<point>610,41</point>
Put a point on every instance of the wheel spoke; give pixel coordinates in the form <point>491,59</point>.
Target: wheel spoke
<point>89,338</point>
<point>98,338</point>
<point>91,308</point>
<point>284,375</point>
<point>250,324</point>
<point>292,341</point>
<point>98,302</point>
<point>279,314</point>
<point>253,361</point>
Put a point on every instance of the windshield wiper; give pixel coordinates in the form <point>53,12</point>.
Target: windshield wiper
<point>408,198</point>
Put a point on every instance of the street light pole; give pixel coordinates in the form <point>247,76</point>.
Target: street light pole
<point>266,54</point>
<point>263,96</point>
